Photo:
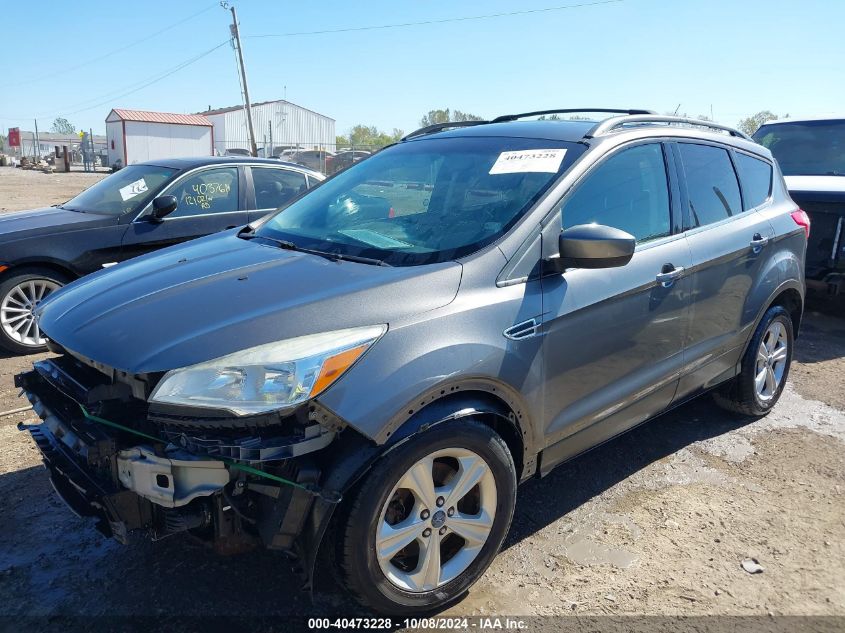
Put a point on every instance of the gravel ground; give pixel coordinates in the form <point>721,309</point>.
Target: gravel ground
<point>29,189</point>
<point>655,522</point>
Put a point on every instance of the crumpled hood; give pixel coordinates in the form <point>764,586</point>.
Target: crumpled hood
<point>45,221</point>
<point>220,294</point>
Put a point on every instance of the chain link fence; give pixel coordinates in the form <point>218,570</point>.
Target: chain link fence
<point>326,158</point>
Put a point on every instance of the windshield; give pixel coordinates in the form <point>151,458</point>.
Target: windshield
<point>127,190</point>
<point>808,148</point>
<point>425,201</point>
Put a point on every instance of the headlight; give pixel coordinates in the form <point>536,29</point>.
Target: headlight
<point>270,376</point>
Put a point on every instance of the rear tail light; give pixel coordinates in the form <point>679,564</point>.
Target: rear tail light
<point>803,220</point>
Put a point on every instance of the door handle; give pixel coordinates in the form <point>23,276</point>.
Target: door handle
<point>669,274</point>
<point>758,242</point>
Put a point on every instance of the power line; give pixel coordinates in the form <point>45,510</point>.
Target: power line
<point>115,51</point>
<point>121,91</point>
<point>165,75</point>
<point>133,88</point>
<point>442,21</point>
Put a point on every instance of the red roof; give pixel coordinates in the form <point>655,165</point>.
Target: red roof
<point>160,117</point>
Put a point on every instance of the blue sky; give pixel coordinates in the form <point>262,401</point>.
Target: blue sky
<point>738,56</point>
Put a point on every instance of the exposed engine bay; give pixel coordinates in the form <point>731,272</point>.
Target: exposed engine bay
<point>148,469</point>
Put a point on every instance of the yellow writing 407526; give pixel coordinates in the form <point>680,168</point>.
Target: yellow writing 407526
<point>212,188</point>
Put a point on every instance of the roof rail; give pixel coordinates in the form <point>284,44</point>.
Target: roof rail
<point>608,125</point>
<point>514,117</point>
<point>437,127</point>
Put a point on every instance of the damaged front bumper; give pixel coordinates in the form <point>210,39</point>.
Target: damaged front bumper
<point>234,490</point>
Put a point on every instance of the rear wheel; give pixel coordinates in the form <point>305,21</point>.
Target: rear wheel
<point>429,519</point>
<point>765,367</point>
<point>19,294</point>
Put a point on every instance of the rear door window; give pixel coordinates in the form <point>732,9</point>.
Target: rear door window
<point>712,186</point>
<point>276,187</point>
<point>628,191</point>
<point>756,178</point>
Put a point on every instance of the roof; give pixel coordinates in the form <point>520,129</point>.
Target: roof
<point>198,161</point>
<point>549,129</point>
<point>808,119</point>
<point>575,131</point>
<point>255,105</point>
<point>147,116</point>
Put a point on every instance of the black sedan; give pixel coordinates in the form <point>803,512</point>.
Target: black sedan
<point>139,209</point>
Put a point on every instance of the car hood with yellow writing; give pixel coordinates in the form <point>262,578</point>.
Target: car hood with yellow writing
<point>220,294</point>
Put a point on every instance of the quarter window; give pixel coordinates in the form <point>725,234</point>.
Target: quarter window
<point>207,191</point>
<point>276,187</point>
<point>628,191</point>
<point>711,183</point>
<point>756,178</point>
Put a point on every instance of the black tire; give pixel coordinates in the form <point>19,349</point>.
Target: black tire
<point>740,394</point>
<point>358,565</point>
<point>7,285</point>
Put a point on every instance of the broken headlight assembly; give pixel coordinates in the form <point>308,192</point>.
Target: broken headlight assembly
<point>268,377</point>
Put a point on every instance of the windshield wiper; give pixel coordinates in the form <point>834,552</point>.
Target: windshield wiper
<point>290,246</point>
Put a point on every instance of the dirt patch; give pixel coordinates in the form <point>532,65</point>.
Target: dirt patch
<point>819,372</point>
<point>28,189</point>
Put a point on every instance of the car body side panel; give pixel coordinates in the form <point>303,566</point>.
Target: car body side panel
<point>613,341</point>
<point>731,278</point>
<point>144,236</point>
<point>458,347</point>
<point>80,248</point>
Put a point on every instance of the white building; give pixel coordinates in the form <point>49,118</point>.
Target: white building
<point>135,136</point>
<point>277,124</point>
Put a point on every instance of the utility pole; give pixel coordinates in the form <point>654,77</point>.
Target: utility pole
<point>236,34</point>
<point>37,143</point>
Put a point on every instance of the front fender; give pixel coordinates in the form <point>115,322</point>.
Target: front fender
<point>352,455</point>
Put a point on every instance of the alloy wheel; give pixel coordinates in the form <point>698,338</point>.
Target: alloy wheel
<point>436,520</point>
<point>17,311</point>
<point>772,355</point>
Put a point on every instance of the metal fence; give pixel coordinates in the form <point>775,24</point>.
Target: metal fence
<point>327,158</point>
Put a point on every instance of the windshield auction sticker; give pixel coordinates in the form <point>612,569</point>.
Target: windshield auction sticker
<point>133,189</point>
<point>528,160</point>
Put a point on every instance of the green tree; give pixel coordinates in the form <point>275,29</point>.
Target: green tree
<point>368,136</point>
<point>63,126</point>
<point>446,116</point>
<point>750,125</point>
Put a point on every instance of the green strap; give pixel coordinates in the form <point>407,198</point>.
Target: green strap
<point>228,462</point>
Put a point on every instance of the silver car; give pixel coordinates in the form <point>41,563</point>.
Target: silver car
<point>385,360</point>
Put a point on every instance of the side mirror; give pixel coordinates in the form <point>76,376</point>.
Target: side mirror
<point>163,206</point>
<point>595,246</point>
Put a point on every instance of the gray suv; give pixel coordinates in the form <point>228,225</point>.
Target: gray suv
<point>370,372</point>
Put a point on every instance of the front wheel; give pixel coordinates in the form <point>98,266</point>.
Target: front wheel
<point>429,519</point>
<point>19,294</point>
